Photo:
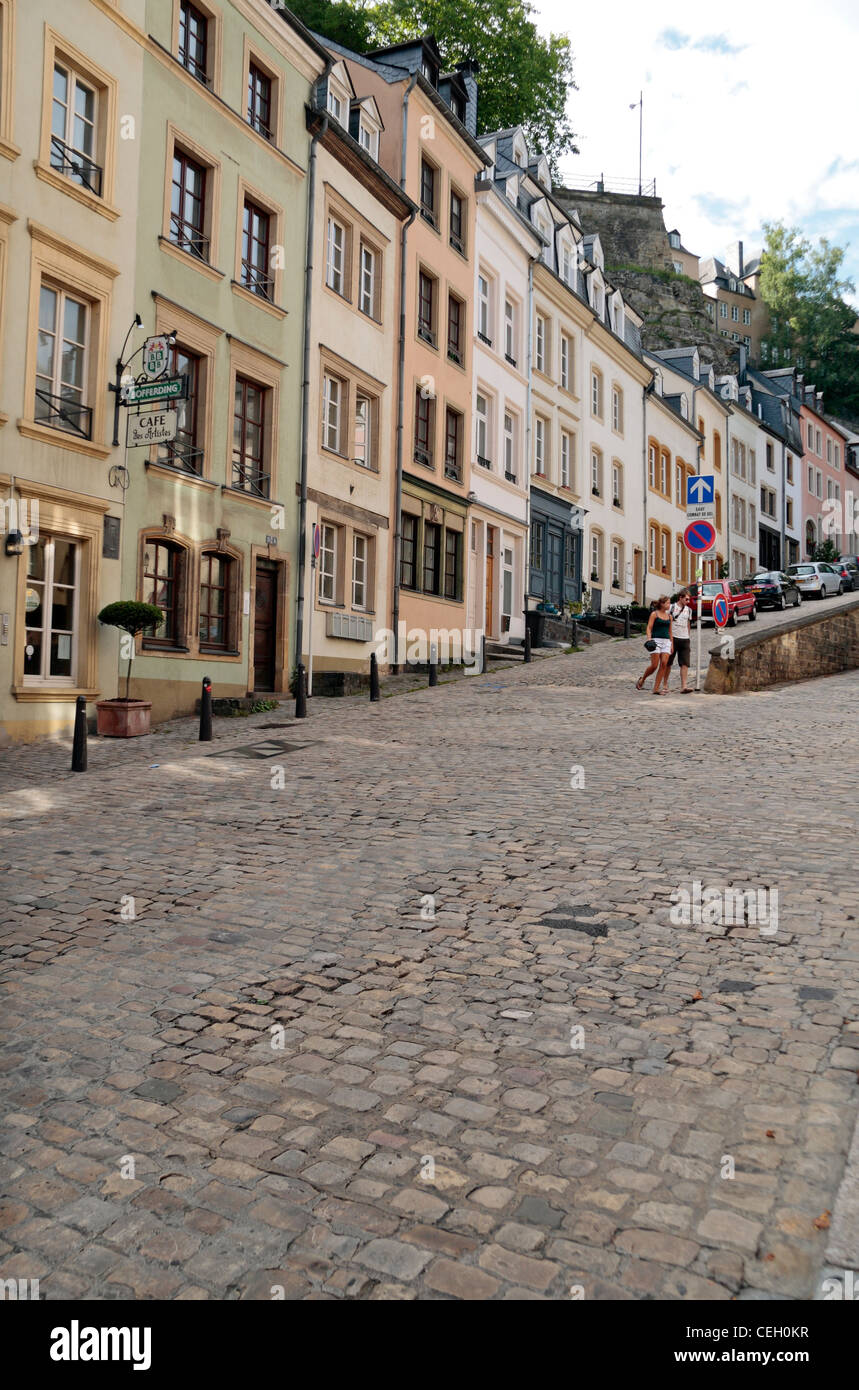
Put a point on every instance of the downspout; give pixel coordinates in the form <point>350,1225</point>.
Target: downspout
<point>728,493</point>
<point>527,459</point>
<point>645,392</point>
<point>401,387</point>
<point>305,383</point>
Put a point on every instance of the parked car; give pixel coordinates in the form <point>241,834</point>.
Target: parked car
<point>741,602</point>
<point>773,589</point>
<point>817,577</point>
<point>848,568</point>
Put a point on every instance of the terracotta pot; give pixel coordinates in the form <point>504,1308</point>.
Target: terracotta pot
<point>123,718</point>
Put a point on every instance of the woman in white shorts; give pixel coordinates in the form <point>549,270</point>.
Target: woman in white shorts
<point>659,632</point>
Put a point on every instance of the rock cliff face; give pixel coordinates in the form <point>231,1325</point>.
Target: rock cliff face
<point>638,260</point>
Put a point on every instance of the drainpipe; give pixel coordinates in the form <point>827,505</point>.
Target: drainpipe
<point>728,492</point>
<point>401,387</point>
<point>783,555</point>
<point>646,389</point>
<point>527,459</point>
<point>305,383</point>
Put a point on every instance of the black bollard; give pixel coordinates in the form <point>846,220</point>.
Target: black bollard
<point>79,741</point>
<point>527,643</point>
<point>483,655</point>
<point>626,621</point>
<point>433,667</point>
<point>374,677</point>
<point>301,694</point>
<point>206,712</point>
<point>575,633</point>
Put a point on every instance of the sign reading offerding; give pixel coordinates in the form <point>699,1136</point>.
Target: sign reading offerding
<point>159,428</point>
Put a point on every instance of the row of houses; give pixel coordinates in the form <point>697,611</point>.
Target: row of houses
<point>413,400</point>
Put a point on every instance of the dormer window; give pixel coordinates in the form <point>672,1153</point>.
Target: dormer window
<point>335,105</point>
<point>429,71</point>
<point>674,238</point>
<point>567,264</point>
<point>339,94</point>
<point>457,106</point>
<point>368,138</point>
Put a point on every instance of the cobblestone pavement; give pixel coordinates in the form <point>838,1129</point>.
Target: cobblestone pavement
<point>401,1010</point>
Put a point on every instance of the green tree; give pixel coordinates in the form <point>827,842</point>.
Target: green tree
<point>803,288</point>
<point>524,78</point>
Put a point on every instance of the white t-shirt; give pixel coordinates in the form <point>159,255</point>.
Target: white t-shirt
<point>680,620</point>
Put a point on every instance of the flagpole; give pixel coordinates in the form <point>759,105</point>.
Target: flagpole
<point>640,136</point>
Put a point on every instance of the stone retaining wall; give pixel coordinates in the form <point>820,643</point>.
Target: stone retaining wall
<point>814,644</point>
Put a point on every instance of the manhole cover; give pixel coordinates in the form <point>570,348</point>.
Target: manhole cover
<point>736,987</point>
<point>270,748</point>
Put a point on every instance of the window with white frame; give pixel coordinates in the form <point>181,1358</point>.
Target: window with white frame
<point>369,271</point>
<point>363,440</point>
<point>616,564</point>
<point>481,418</point>
<point>332,413</point>
<point>510,331</point>
<point>818,443</point>
<point>818,481</point>
<point>723,309</point>
<point>61,362</point>
<point>566,458</point>
<point>359,571</point>
<point>809,435</point>
<point>368,137</point>
<point>617,409</point>
<point>829,451</point>
<point>328,564</point>
<point>484,310</point>
<point>51,628</point>
<point>651,465</point>
<point>566,264</point>
<point>540,454</point>
<point>596,393</point>
<point>566,360</point>
<point>540,343</point>
<point>596,472</point>
<point>735,313</point>
<point>73,129</point>
<point>334,256</point>
<point>747,317</point>
<point>596,556</point>
<point>810,478</point>
<point>509,447</point>
<point>617,483</point>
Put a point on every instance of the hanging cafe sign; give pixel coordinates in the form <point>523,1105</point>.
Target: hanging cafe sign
<point>152,422</point>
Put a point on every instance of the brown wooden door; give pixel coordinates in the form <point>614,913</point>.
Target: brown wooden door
<point>265,627</point>
<point>490,579</point>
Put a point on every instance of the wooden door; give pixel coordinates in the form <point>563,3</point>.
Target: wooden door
<point>490,579</point>
<point>265,627</point>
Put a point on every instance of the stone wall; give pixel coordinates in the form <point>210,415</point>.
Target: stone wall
<point>631,229</point>
<point>814,644</point>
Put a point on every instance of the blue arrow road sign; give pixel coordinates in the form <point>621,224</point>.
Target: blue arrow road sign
<point>700,487</point>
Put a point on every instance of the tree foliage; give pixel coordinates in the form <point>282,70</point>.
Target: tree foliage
<point>803,288</point>
<point>524,78</point>
<point>132,617</point>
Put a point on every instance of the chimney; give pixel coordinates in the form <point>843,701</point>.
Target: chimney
<point>469,69</point>
<point>734,258</point>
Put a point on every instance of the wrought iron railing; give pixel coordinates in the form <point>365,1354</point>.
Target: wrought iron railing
<point>484,462</point>
<point>453,471</point>
<point>248,478</point>
<point>75,165</point>
<point>183,456</point>
<point>187,238</point>
<point>257,281</point>
<point>63,413</point>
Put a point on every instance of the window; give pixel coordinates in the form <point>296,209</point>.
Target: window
<point>679,484</point>
<point>432,558</point>
<point>818,443</point>
<point>332,413</point>
<point>616,564</point>
<point>73,129</point>
<point>540,435</point>
<point>569,555</point>
<point>723,309</point>
<point>665,473</point>
<point>483,310</point>
<point>424,427</point>
<point>455,329</point>
<point>409,552</point>
<point>335,105</point>
<point>735,313</point>
<point>596,394</point>
<point>249,473</point>
<point>453,444</point>
<point>194,41</point>
<point>617,484</point>
<point>363,443</point>
<point>215,572</point>
<point>426,307</point>
<point>566,358</point>
<point>617,409</point>
<point>367,301</point>
<point>747,317</point>
<point>789,468</point>
<point>335,247</point>
<point>717,449</point>
<point>566,457</point>
<point>789,512</point>
<point>770,458</point>
<point>837,458</point>
<point>481,416</point>
<point>452,564</point>
<point>566,264</point>
<point>829,451</point>
<point>651,466</point>
<point>61,363</point>
<point>457,222</point>
<point>510,332</point>
<point>188,206</point>
<point>255,251</point>
<point>163,585</point>
<point>809,435</point>
<point>51,606</point>
<point>596,557</point>
<point>810,478</point>
<point>819,483</point>
<point>359,571</point>
<point>510,447</point>
<point>328,564</point>
<point>429,186</point>
<point>260,111</point>
<point>596,472</point>
<point>674,239</point>
<point>652,545</point>
<point>368,138</point>
<point>537,545</point>
<point>184,451</point>
<point>664,543</point>
<point>540,340</point>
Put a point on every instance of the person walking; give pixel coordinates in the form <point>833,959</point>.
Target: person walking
<point>681,614</point>
<point>658,631</point>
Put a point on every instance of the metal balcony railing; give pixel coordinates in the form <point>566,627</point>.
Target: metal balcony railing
<point>248,478</point>
<point>75,166</point>
<point>598,183</point>
<point>257,281</point>
<point>63,413</point>
<point>188,238</point>
<point>182,455</point>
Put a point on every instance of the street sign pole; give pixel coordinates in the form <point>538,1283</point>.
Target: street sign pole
<point>699,575</point>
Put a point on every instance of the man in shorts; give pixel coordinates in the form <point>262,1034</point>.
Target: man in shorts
<point>681,613</point>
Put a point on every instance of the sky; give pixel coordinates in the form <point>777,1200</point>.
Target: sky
<point>751,112</point>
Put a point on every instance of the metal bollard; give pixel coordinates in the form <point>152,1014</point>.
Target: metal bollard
<point>206,712</point>
<point>575,633</point>
<point>483,655</point>
<point>79,752</point>
<point>301,694</point>
<point>433,666</point>
<point>626,622</point>
<point>527,643</point>
<point>374,677</point>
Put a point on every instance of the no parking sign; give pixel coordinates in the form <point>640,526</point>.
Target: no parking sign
<point>721,610</point>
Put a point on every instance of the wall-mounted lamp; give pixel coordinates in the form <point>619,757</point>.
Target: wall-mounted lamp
<point>14,543</point>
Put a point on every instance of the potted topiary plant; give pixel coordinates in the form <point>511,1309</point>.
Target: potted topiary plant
<point>127,718</point>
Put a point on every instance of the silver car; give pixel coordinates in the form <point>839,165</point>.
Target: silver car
<point>816,577</point>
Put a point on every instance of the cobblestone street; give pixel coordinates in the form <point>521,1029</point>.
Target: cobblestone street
<point>389,1003</point>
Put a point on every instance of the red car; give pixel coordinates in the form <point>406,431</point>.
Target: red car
<point>741,603</point>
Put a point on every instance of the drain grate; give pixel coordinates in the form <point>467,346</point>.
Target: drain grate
<point>269,749</point>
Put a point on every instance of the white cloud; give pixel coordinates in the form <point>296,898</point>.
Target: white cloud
<point>750,113</point>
